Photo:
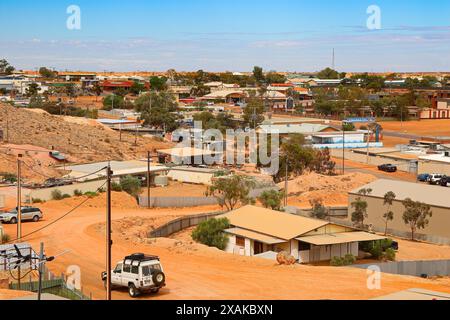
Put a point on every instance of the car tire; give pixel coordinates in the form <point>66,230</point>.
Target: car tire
<point>155,291</point>
<point>13,220</point>
<point>36,219</point>
<point>132,290</point>
<point>159,278</point>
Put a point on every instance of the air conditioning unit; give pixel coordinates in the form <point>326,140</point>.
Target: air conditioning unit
<point>447,154</point>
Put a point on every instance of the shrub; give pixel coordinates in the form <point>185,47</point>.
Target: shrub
<point>389,254</point>
<point>77,193</point>
<point>348,260</point>
<point>5,238</point>
<point>210,233</point>
<point>37,200</point>
<point>337,262</point>
<point>91,194</point>
<point>66,196</point>
<point>56,195</point>
<point>9,177</point>
<point>116,187</point>
<point>131,185</point>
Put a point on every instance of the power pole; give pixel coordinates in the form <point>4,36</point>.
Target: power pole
<point>19,206</point>
<point>286,183</point>
<point>41,266</point>
<point>148,178</point>
<point>343,148</point>
<point>108,235</point>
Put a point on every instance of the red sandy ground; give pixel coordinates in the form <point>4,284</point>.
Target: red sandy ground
<point>424,127</point>
<point>194,271</point>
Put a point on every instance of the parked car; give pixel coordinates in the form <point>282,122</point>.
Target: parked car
<point>387,168</point>
<point>53,182</point>
<point>435,179</point>
<point>445,181</point>
<point>139,273</point>
<point>28,214</point>
<point>423,177</point>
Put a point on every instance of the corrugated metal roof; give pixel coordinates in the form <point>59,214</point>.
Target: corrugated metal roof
<point>339,238</point>
<point>432,195</point>
<point>273,223</point>
<point>255,236</point>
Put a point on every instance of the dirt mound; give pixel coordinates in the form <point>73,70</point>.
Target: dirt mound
<point>331,190</point>
<point>119,200</point>
<point>84,140</point>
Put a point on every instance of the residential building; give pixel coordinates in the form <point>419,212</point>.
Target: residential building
<point>255,231</point>
<point>435,163</point>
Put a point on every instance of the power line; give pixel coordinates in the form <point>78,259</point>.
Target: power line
<point>58,219</point>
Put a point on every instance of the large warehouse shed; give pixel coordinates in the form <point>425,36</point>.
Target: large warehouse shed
<point>437,197</point>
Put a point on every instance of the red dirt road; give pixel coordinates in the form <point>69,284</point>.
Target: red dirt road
<point>198,272</point>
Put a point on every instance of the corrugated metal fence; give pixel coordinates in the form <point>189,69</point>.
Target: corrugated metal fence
<point>413,268</point>
<point>176,202</point>
<point>180,224</point>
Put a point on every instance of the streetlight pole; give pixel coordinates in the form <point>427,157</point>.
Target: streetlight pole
<point>148,179</point>
<point>19,206</point>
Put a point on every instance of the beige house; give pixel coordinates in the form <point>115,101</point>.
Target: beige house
<point>437,197</point>
<point>257,231</point>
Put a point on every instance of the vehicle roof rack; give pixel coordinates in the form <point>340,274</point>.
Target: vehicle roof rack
<point>141,257</point>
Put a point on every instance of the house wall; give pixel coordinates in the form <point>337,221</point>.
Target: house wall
<point>438,226</point>
<point>191,176</point>
<point>326,253</point>
<point>434,167</point>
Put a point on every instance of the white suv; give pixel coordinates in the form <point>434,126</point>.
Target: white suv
<point>435,178</point>
<point>139,273</point>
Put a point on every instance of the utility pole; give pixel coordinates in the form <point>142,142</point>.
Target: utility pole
<point>343,148</point>
<point>41,266</point>
<point>148,178</point>
<point>108,234</point>
<point>286,183</point>
<point>19,206</point>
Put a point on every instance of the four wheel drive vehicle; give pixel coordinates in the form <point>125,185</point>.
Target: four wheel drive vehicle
<point>423,177</point>
<point>387,168</point>
<point>28,214</point>
<point>445,181</point>
<point>435,179</point>
<point>139,273</point>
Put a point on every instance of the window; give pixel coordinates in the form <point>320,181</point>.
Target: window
<point>240,241</point>
<point>303,246</point>
<point>127,268</point>
<point>135,269</point>
<point>149,270</point>
<point>118,268</point>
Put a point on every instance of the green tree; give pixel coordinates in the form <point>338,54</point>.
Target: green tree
<point>131,185</point>
<point>6,68</point>
<point>416,215</point>
<point>97,89</point>
<point>47,73</point>
<point>200,91</point>
<point>254,112</point>
<point>113,101</point>
<point>274,77</point>
<point>137,88</point>
<point>319,211</point>
<point>258,74</point>
<point>231,191</point>
<point>271,199</point>
<point>328,73</point>
<point>158,110</point>
<point>211,233</point>
<point>32,90</point>
<point>389,215</point>
<point>158,83</point>
<point>360,208</point>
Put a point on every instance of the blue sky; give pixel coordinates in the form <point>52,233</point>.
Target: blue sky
<point>282,35</point>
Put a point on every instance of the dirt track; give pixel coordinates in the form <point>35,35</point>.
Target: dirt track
<point>197,272</point>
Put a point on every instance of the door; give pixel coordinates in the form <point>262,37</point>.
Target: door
<point>258,247</point>
<point>27,214</point>
<point>116,276</point>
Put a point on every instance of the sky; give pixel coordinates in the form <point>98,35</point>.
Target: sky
<point>226,35</point>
